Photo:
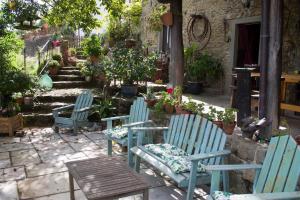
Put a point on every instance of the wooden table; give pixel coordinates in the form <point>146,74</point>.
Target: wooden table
<point>106,178</point>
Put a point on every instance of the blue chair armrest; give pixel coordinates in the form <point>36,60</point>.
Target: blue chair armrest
<point>136,124</point>
<point>143,129</point>
<point>84,109</point>
<point>63,108</point>
<point>115,118</point>
<point>232,167</point>
<point>198,157</point>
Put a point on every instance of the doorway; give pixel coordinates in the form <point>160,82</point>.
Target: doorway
<point>248,39</point>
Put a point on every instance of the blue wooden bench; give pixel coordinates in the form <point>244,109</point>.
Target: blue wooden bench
<point>201,141</point>
<point>276,178</point>
<point>79,115</point>
<point>138,116</point>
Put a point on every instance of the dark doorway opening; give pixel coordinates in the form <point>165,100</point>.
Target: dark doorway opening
<point>248,44</point>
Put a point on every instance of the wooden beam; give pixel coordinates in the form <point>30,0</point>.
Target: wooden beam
<point>264,52</point>
<point>275,65</point>
<point>176,51</point>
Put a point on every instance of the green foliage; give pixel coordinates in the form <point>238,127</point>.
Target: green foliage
<point>178,94</point>
<point>117,29</point>
<point>74,13</point>
<point>131,65</point>
<point>133,13</point>
<point>72,51</point>
<point>150,95</point>
<point>114,7</point>
<point>86,71</point>
<point>104,108</point>
<point>204,66</point>
<point>191,105</point>
<point>57,57</point>
<point>229,115</point>
<point>154,21</point>
<point>167,98</point>
<point>92,46</point>
<point>54,64</point>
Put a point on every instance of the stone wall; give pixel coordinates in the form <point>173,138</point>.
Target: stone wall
<point>229,11</point>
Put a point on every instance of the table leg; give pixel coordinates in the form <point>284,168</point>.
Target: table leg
<point>146,194</point>
<point>71,183</point>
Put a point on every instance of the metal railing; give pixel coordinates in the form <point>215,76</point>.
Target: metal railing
<point>44,54</point>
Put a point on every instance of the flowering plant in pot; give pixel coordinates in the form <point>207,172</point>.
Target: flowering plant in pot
<point>168,102</point>
<point>229,122</point>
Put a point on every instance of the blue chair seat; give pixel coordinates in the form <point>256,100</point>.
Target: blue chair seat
<point>220,195</point>
<point>116,132</point>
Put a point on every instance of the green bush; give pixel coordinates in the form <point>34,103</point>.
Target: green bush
<point>92,46</point>
<point>53,64</point>
<point>57,57</point>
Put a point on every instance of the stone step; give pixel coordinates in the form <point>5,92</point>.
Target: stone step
<point>38,119</point>
<point>69,72</point>
<point>48,107</point>
<point>67,78</point>
<point>71,84</point>
<point>69,68</point>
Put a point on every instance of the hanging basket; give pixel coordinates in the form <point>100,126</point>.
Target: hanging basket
<point>167,18</point>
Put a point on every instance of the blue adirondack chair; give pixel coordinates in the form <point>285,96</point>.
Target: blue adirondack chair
<point>190,142</point>
<point>138,116</point>
<point>276,178</point>
<point>79,115</point>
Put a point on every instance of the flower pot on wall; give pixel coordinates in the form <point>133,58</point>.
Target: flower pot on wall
<point>180,110</point>
<point>151,102</point>
<point>129,90</point>
<point>167,18</point>
<point>218,123</point>
<point>194,87</point>
<point>229,127</point>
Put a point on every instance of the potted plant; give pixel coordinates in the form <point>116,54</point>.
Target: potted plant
<point>28,97</point>
<point>53,67</point>
<point>219,118</point>
<point>58,58</point>
<point>154,20</point>
<point>168,102</point>
<point>18,97</point>
<point>87,72</point>
<point>229,120</point>
<point>103,109</point>
<point>150,97</point>
<point>92,47</point>
<point>167,18</point>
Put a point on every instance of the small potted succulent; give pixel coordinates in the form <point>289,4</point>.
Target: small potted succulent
<point>87,72</point>
<point>53,67</point>
<point>229,122</point>
<point>150,98</point>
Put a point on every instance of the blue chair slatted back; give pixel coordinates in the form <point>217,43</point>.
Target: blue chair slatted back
<point>195,134</point>
<point>281,167</point>
<point>84,100</point>
<point>139,111</point>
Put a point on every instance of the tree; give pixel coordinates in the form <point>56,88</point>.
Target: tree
<point>74,13</point>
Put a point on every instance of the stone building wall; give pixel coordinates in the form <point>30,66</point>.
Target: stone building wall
<point>218,11</point>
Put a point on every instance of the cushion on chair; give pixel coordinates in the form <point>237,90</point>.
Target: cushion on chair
<point>220,195</point>
<point>174,157</point>
<point>116,132</point>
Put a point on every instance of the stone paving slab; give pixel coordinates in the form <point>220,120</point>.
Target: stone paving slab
<point>25,157</point>
<point>85,146</point>
<point>63,196</point>
<point>95,135</point>
<point>15,147</point>
<point>54,144</point>
<point>45,168</point>
<point>44,185</point>
<point>12,174</point>
<point>9,191</point>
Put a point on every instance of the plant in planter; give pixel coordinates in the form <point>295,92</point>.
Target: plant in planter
<point>18,98</point>
<point>58,58</point>
<point>92,47</point>
<point>154,19</point>
<point>191,106</point>
<point>87,72</point>
<point>229,120</point>
<point>150,97</point>
<point>28,97</point>
<point>219,118</point>
<point>53,67</point>
<point>168,102</point>
<point>103,109</point>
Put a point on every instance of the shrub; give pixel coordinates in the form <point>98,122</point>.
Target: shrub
<point>53,64</point>
<point>92,46</point>
<point>57,57</point>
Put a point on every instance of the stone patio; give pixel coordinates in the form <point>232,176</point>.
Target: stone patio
<point>33,167</point>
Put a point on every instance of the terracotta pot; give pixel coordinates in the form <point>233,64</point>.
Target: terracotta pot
<point>20,100</point>
<point>180,110</point>
<point>167,18</point>
<point>229,128</point>
<point>218,123</point>
<point>169,108</point>
<point>94,59</point>
<point>151,102</point>
<point>53,70</point>
<point>298,139</point>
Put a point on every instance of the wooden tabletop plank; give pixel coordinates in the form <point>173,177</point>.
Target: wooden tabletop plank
<point>106,177</point>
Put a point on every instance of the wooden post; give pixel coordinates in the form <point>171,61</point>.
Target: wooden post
<point>177,60</point>
<point>176,50</point>
<point>264,52</point>
<point>275,65</point>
